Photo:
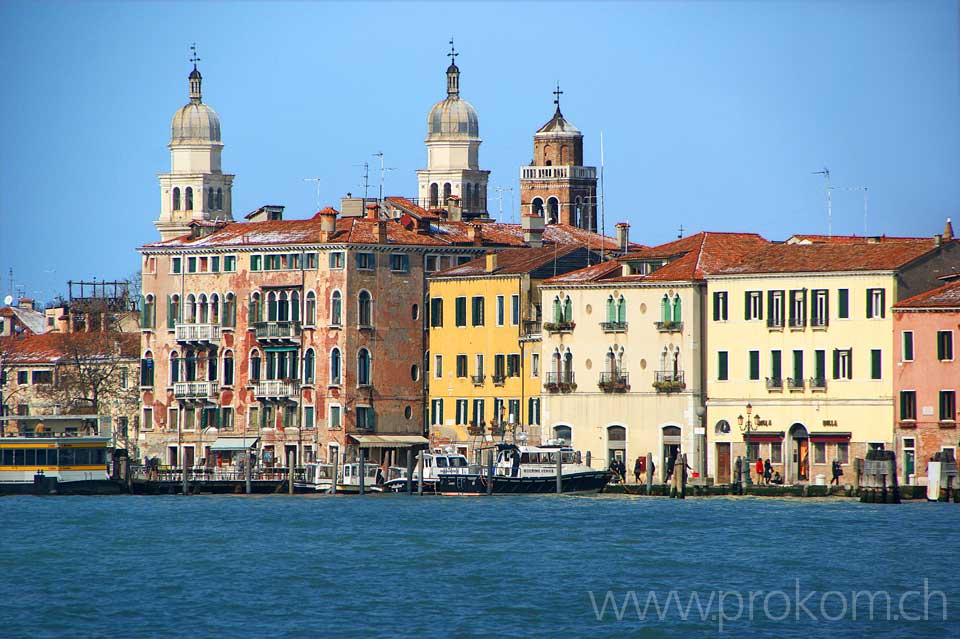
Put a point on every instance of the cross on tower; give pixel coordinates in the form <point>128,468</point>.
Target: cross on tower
<point>557,93</point>
<point>193,55</point>
<point>453,52</point>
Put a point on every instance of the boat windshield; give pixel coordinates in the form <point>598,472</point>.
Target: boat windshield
<point>548,457</point>
<point>458,462</point>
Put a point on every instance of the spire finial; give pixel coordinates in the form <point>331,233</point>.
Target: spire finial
<point>453,52</point>
<point>557,93</point>
<point>195,77</point>
<point>453,73</point>
<point>193,55</point>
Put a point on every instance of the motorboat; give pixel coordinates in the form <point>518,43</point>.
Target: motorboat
<point>435,463</point>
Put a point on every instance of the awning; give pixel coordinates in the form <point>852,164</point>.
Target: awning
<point>830,437</point>
<point>765,436</point>
<point>389,441</point>
<point>233,443</point>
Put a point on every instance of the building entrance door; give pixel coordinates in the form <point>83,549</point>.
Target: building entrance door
<point>799,441</point>
<point>909,459</point>
<point>671,448</point>
<point>723,463</point>
<point>188,457</point>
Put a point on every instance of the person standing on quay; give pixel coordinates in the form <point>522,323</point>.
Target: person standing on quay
<point>767,472</point>
<point>837,472</point>
<point>638,469</point>
<point>759,469</point>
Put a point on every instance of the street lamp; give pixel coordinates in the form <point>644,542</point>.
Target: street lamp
<point>747,426</point>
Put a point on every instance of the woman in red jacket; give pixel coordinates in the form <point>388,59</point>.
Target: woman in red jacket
<point>759,469</point>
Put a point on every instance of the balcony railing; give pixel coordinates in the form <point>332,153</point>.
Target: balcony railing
<point>560,382</point>
<point>795,383</point>
<point>818,383</point>
<point>669,381</point>
<point>194,390</point>
<point>774,322</point>
<point>531,329</point>
<point>557,172</point>
<point>774,383</point>
<point>198,333</point>
<point>669,327</point>
<point>613,327</point>
<point>798,322</point>
<point>276,388</point>
<point>277,331</point>
<point>559,327</point>
<point>478,379</point>
<point>819,322</point>
<point>614,382</point>
<point>498,380</point>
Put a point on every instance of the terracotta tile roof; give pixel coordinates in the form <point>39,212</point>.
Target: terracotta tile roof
<point>946,296</point>
<point>832,257</point>
<point>411,208</point>
<point>513,261</point>
<point>802,238</point>
<point>49,348</point>
<point>593,273</point>
<point>689,258</point>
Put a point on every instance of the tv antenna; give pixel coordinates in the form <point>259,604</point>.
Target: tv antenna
<point>864,190</point>
<point>383,171</point>
<point>500,190</point>
<point>317,180</point>
<point>826,176</point>
<point>366,178</point>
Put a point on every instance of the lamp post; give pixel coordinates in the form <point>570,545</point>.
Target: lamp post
<point>747,426</point>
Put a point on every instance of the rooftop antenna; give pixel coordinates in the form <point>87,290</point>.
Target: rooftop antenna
<point>826,176</point>
<point>317,180</point>
<point>603,200</point>
<point>680,233</point>
<point>500,190</point>
<point>383,171</point>
<point>366,179</point>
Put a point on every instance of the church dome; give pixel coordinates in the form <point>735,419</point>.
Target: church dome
<point>195,122</point>
<point>453,118</point>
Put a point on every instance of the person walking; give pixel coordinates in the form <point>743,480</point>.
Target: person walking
<point>837,472</point>
<point>638,469</point>
<point>767,472</point>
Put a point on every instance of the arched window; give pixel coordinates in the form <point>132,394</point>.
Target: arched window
<point>295,306</point>
<point>434,195</point>
<point>611,309</point>
<point>564,154</point>
<point>553,211</point>
<point>363,367</point>
<point>283,307</point>
<point>255,365</point>
<point>480,197</point>
<point>676,310</point>
<point>556,361</point>
<point>228,368</point>
<point>335,367</point>
<point>219,199</point>
<point>446,193</point>
<point>611,361</point>
<point>272,306</point>
<point>336,309</point>
<point>173,311</point>
<point>190,366</point>
<point>568,310</point>
<point>665,309</point>
<point>174,367</point>
<point>567,366</point>
<point>146,373</point>
<point>308,366</point>
<point>578,212</point>
<point>536,207</point>
<point>188,199</point>
<point>148,314</point>
<point>212,360</point>
<point>564,433</point>
<point>547,155</point>
<point>203,310</point>
<point>214,309</point>
<point>210,202</point>
<point>229,310</point>
<point>364,315</point>
<point>310,316</point>
<point>676,364</point>
<point>255,313</point>
<point>557,310</point>
<point>467,195</point>
<point>621,310</point>
<point>176,198</point>
<point>191,309</point>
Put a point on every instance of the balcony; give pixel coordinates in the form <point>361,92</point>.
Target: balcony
<point>276,389</point>
<point>531,330</point>
<point>562,382</point>
<point>194,390</point>
<point>559,327</point>
<point>818,383</point>
<point>197,333</point>
<point>775,323</point>
<point>795,383</point>
<point>478,379</point>
<point>614,382</point>
<point>558,172</point>
<point>669,381</point>
<point>774,383</point>
<point>670,327</point>
<point>498,380</point>
<point>613,327</point>
<point>476,429</point>
<point>277,331</point>
<point>819,322</point>
<point>798,323</point>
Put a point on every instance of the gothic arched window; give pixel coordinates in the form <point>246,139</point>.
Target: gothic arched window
<point>255,365</point>
<point>467,195</point>
<point>335,366</point>
<point>308,365</point>
<point>176,198</point>
<point>228,368</point>
<point>219,199</point>
<point>363,367</point>
<point>446,193</point>
<point>310,315</point>
<point>210,202</point>
<point>553,210</point>
<point>364,315</point>
<point>336,309</point>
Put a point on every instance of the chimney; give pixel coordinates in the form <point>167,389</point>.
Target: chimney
<point>491,262</point>
<point>422,225</point>
<point>381,232</point>
<point>373,211</point>
<point>26,303</point>
<point>328,223</point>
<point>475,234</point>
<point>623,236</point>
<point>454,210</point>
<point>948,231</point>
<point>532,226</point>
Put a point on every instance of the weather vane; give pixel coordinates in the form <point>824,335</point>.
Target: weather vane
<point>557,93</point>
<point>453,52</point>
<point>193,55</point>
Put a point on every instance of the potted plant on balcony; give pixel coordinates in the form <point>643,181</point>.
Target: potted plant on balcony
<point>669,386</point>
<point>497,428</point>
<point>551,387</point>
<point>476,429</point>
<point>566,387</point>
<point>556,327</point>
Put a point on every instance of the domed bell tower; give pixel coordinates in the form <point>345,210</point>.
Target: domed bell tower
<point>195,188</point>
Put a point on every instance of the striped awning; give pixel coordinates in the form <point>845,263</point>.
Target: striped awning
<point>389,441</point>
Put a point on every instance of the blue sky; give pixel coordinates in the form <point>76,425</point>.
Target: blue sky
<point>714,114</point>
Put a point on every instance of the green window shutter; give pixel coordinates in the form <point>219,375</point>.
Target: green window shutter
<point>611,311</point>
<point>875,372</point>
<point>820,364</point>
<point>754,365</point>
<point>746,305</point>
<point>775,365</point>
<point>567,310</point>
<point>716,306</point>
<point>622,310</point>
<point>251,313</point>
<point>798,365</point>
<point>676,310</point>
<point>171,320</point>
<point>722,365</point>
<point>770,304</point>
<point>557,310</point>
<point>869,305</point>
<point>836,364</point>
<point>849,363</point>
<point>883,302</point>
<point>806,312</point>
<point>665,309</point>
<point>843,303</point>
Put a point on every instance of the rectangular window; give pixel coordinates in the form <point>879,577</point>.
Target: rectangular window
<point>820,313</point>
<point>944,345</point>
<point>255,262</point>
<point>533,411</point>
<point>513,411</point>
<point>722,366</point>
<point>754,365</point>
<point>226,418</point>
<point>753,305</point>
<point>908,405</point>
<point>189,418</point>
<point>776,371</point>
<point>720,306</point>
<point>819,452</point>
<point>462,412</point>
<point>775,304</point>
<point>253,417</point>
<point>798,308</point>
<point>191,265</point>
<point>535,364</point>
<point>215,264</point>
<point>335,422</point>
<point>308,417</point>
<point>436,412</point>
<point>311,261</point>
<point>875,303</point>
<point>43,377</point>
<point>400,263</point>
<point>513,365</point>
<point>430,263</point>
<point>23,378</point>
<point>479,363</point>
<point>948,406</point>
<point>293,261</point>
<point>461,366</point>
<point>146,372</point>
<point>515,310</point>
<point>336,260</point>
<point>819,369</point>
<point>436,312</point>
<point>148,419</point>
<point>776,452</point>
<point>229,263</point>
<point>843,363</point>
<point>438,366</point>
<point>875,369</point>
<point>501,310</point>
<point>366,261</point>
<point>478,405</point>
<point>364,418</point>
<point>499,366</point>
<point>176,265</point>
<point>906,350</point>
<point>843,452</point>
<point>477,308</point>
<point>460,306</point>
<point>798,368</point>
<point>843,303</point>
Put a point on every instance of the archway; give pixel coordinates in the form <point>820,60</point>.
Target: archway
<point>670,449</point>
<point>616,444</point>
<point>553,211</point>
<point>798,466</point>
<point>564,433</point>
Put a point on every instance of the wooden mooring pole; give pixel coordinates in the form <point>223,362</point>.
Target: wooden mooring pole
<point>420,473</point>
<point>248,471</point>
<point>490,472</point>
<point>336,470</point>
<point>290,472</point>
<point>410,472</point>
<point>559,472</point>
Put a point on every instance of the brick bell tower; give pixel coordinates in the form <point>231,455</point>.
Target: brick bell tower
<point>557,185</point>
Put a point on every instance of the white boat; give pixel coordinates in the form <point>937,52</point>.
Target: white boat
<point>435,463</point>
<point>349,479</point>
<point>317,478</point>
